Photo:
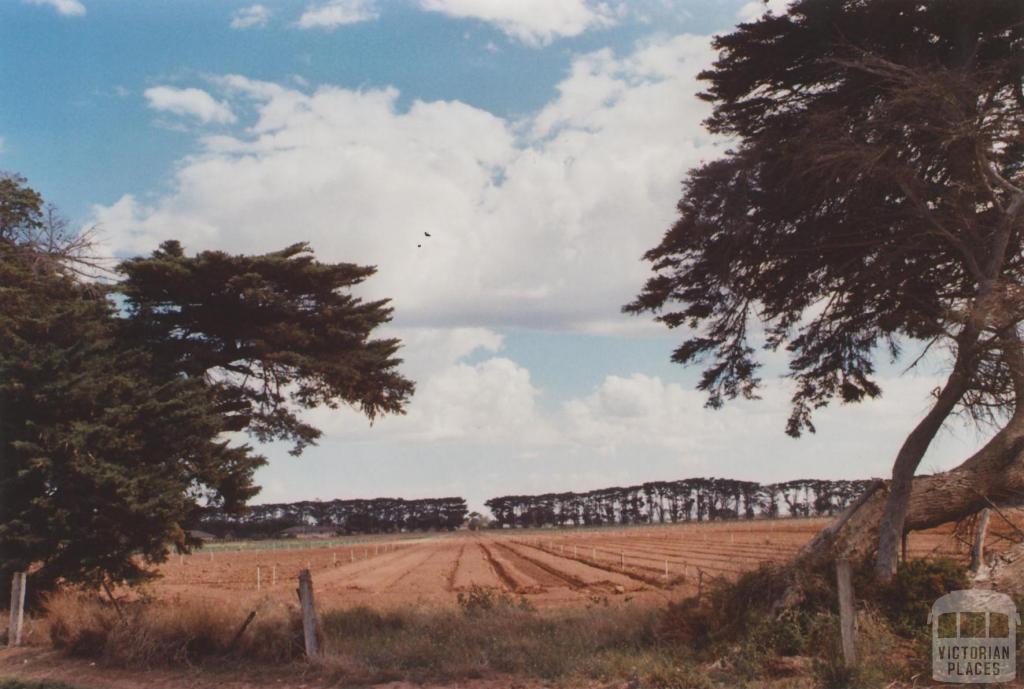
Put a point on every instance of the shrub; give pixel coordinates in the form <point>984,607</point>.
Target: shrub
<point>907,600</point>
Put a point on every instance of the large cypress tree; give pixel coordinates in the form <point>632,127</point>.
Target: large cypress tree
<point>873,197</point>
<point>114,405</point>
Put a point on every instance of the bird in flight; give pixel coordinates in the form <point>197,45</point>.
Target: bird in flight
<point>426,234</point>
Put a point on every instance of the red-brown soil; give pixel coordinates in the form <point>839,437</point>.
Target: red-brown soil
<point>549,567</point>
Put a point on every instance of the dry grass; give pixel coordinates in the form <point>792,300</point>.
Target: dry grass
<point>489,635</point>
<point>171,632</point>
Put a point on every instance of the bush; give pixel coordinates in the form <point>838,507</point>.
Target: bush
<point>907,600</point>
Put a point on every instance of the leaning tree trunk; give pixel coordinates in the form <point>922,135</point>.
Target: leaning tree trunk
<point>992,474</point>
<point>892,523</point>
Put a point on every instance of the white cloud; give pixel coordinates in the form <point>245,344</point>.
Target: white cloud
<point>192,102</point>
<point>633,428</point>
<point>539,223</point>
<point>753,10</point>
<point>638,413</point>
<point>534,22</point>
<point>251,17</point>
<point>335,13</point>
<point>488,401</point>
<point>68,8</point>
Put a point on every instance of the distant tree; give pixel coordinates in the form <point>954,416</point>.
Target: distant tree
<point>872,197</point>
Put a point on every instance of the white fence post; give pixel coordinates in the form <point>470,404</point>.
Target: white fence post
<point>17,608</point>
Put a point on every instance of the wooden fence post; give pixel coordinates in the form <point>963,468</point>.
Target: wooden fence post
<point>308,614</point>
<point>17,609</point>
<point>978,550</point>
<point>847,614</point>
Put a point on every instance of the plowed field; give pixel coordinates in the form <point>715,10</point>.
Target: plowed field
<point>550,567</point>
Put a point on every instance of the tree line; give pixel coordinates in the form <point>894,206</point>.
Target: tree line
<point>376,515</point>
<point>693,499</point>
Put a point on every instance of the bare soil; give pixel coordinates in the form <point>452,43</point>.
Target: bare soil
<point>548,567</point>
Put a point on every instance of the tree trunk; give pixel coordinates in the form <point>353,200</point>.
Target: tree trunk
<point>993,473</point>
<point>892,525</point>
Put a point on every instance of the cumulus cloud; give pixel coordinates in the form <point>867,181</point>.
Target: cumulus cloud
<point>535,223</point>
<point>191,102</point>
<point>254,16</point>
<point>68,8</point>
<point>335,13</point>
<point>534,22</point>
<point>637,414</point>
<point>753,10</point>
<point>489,401</point>
<point>635,427</point>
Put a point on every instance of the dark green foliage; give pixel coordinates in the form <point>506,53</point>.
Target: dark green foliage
<point>115,400</point>
<point>376,515</point>
<point>908,598</point>
<point>271,334</point>
<point>101,456</point>
<point>741,622</point>
<point>692,499</point>
<point>871,195</point>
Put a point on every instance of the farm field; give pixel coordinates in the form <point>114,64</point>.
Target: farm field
<point>547,567</point>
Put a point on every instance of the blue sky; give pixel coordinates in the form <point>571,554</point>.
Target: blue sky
<point>541,142</point>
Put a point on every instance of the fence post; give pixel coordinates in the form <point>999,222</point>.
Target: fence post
<point>308,614</point>
<point>17,609</point>
<point>847,614</point>
<point>978,550</point>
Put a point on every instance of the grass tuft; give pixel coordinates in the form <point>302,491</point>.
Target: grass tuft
<point>166,633</point>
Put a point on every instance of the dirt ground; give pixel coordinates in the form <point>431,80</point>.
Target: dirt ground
<point>548,567</point>
<point>34,664</point>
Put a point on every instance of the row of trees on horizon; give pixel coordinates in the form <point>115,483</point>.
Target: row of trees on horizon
<point>375,515</point>
<point>693,499</point>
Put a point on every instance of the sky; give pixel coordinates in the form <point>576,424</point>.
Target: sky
<point>541,143</point>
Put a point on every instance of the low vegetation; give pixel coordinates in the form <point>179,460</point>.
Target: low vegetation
<point>488,634</point>
<point>730,636</point>
<point>741,623</point>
